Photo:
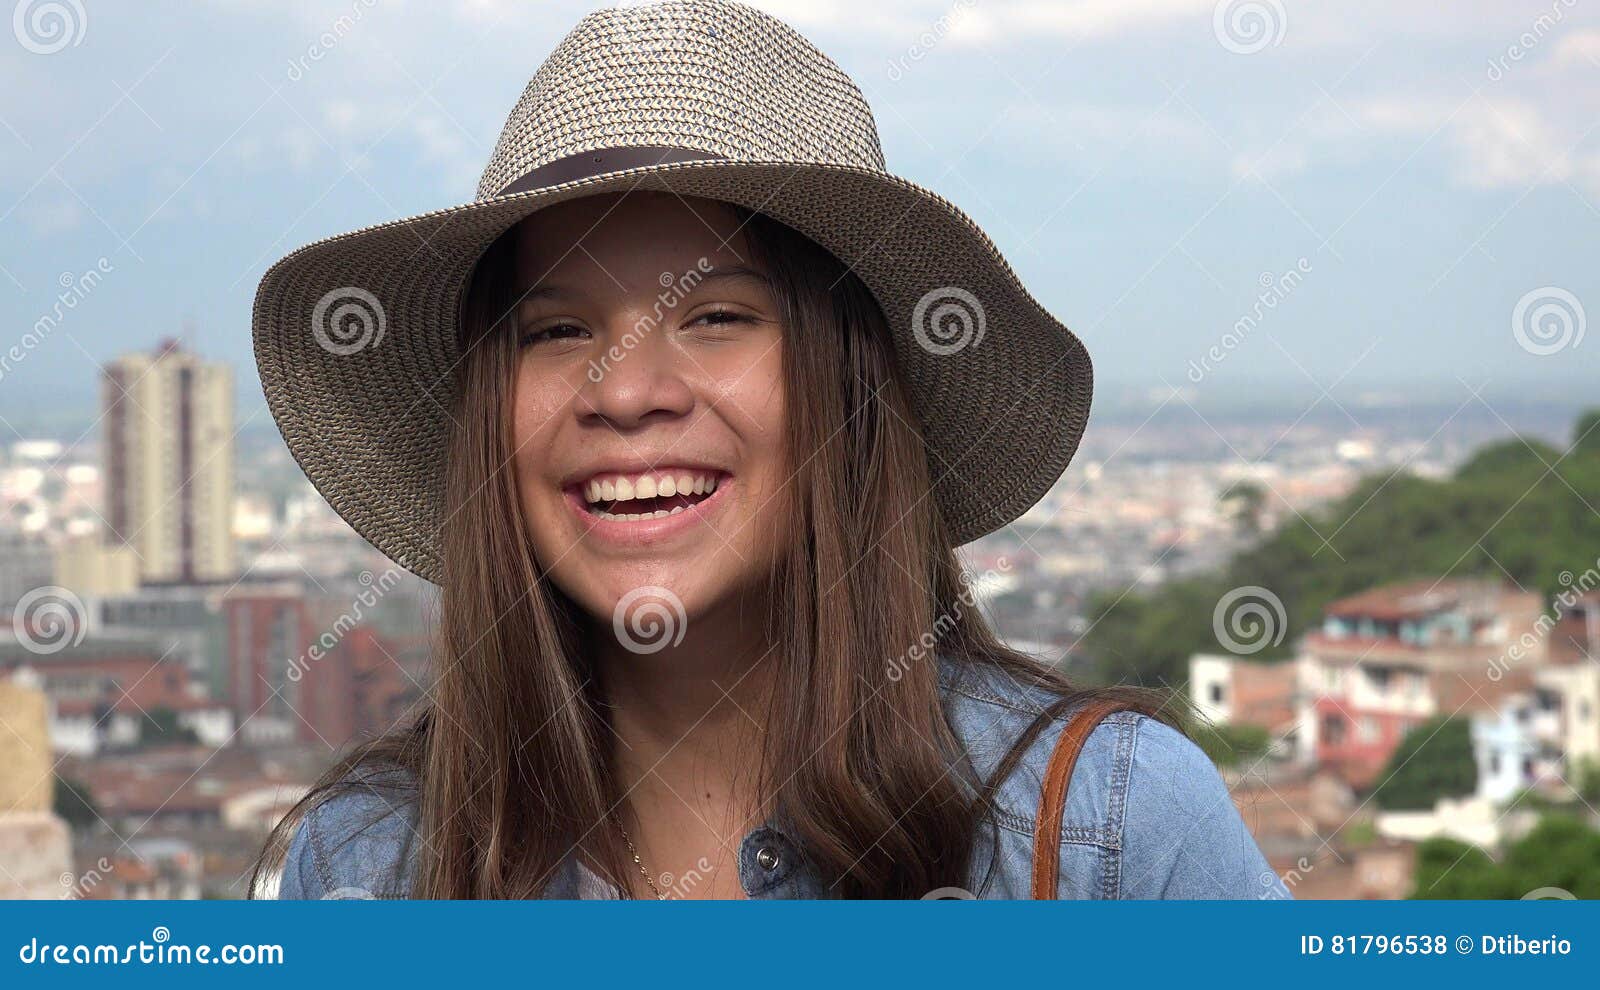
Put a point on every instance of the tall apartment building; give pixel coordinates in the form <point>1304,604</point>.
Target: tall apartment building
<point>168,464</point>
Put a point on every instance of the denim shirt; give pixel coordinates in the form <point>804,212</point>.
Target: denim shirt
<point>1147,816</point>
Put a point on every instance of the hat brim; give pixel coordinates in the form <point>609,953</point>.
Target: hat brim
<point>1002,409</point>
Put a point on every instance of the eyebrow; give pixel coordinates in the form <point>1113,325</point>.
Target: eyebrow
<point>720,272</point>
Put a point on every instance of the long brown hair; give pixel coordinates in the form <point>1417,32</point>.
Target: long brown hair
<point>508,756</point>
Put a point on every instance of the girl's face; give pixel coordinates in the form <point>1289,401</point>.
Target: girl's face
<point>649,403</point>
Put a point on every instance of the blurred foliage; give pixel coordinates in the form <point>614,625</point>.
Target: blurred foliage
<point>1433,761</point>
<point>1232,745</point>
<point>1245,502</point>
<point>1514,502</point>
<point>1560,852</point>
<point>73,804</point>
<point>160,727</point>
<point>1586,780</point>
<point>1359,834</point>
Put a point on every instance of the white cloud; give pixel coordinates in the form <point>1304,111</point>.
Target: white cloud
<point>47,214</point>
<point>1580,49</point>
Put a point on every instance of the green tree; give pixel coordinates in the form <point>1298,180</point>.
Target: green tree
<point>1433,761</point>
<point>1245,502</point>
<point>1448,870</point>
<point>1515,505</point>
<point>1586,779</point>
<point>1561,852</point>
<point>73,802</point>
<point>1586,434</point>
<point>1232,745</point>
<point>160,727</point>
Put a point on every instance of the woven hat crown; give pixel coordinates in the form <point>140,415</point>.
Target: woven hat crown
<point>703,75</point>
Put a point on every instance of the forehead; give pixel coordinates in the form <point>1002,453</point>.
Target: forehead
<point>628,240</point>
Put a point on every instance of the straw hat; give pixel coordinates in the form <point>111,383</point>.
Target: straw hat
<point>355,336</point>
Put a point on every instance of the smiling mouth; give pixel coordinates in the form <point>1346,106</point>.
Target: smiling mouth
<point>653,495</point>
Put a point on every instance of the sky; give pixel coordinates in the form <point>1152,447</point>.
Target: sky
<point>1398,195</point>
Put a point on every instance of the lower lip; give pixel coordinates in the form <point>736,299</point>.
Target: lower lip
<point>652,530</point>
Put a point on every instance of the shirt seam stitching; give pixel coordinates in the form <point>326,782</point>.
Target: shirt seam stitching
<point>1116,811</point>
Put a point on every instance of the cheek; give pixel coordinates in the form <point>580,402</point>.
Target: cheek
<point>536,410</point>
<point>756,403</point>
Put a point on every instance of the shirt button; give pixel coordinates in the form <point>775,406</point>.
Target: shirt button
<point>767,857</point>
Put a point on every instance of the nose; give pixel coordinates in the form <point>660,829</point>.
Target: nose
<point>637,381</point>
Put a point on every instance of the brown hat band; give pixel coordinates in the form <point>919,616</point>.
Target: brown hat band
<point>591,163</point>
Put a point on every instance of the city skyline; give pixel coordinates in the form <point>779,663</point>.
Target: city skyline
<point>1389,203</point>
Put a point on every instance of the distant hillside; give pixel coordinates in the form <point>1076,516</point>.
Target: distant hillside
<point>1517,510</point>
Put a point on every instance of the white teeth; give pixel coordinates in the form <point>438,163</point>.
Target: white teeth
<point>675,510</point>
<point>647,486</point>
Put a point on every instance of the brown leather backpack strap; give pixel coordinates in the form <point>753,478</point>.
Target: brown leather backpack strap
<point>1053,796</point>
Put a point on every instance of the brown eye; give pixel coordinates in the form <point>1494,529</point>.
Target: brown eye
<point>560,331</point>
<point>719,317</point>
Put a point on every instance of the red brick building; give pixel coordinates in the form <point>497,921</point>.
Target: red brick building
<point>312,671</point>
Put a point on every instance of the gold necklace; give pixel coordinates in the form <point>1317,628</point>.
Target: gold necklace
<point>648,879</point>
